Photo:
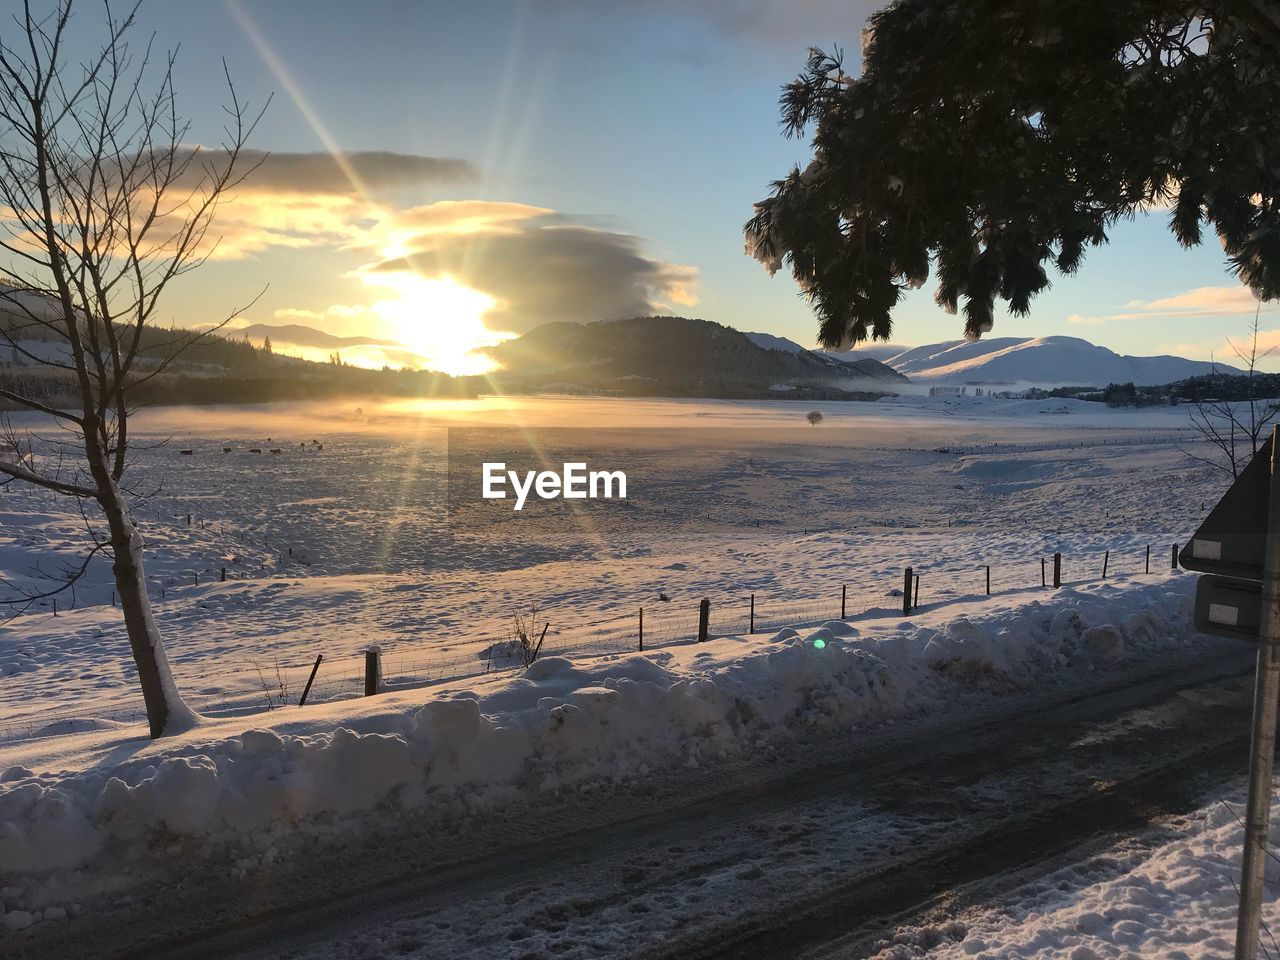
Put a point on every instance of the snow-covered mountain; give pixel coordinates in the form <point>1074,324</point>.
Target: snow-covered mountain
<point>1041,360</point>
<point>854,362</point>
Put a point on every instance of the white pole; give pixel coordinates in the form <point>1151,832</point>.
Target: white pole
<point>1262,755</point>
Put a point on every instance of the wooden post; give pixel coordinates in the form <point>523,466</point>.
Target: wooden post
<point>224,574</point>
<point>844,596</point>
<point>753,614</point>
<point>195,576</point>
<point>704,619</point>
<point>1266,692</point>
<point>310,680</point>
<point>55,606</point>
<point>1148,568</point>
<point>1175,557</point>
<point>642,628</point>
<point>188,519</point>
<point>907,581</point>
<point>1105,558</point>
<point>988,579</point>
<point>1057,570</point>
<point>371,658</point>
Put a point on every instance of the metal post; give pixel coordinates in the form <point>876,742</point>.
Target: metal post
<point>1043,583</point>
<point>1057,570</point>
<point>915,594</point>
<point>753,614</point>
<point>1175,557</point>
<point>310,680</point>
<point>1105,558</point>
<point>1265,692</point>
<point>224,574</point>
<point>371,657</point>
<point>844,595</point>
<point>642,628</point>
<point>907,582</point>
<point>1148,570</point>
<point>988,580</point>
<point>704,619</point>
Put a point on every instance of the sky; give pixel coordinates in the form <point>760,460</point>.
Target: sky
<point>504,163</point>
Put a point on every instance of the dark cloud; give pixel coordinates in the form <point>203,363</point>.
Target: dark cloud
<point>346,174</point>
<point>543,269</point>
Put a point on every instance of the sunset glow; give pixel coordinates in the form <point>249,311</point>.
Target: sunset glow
<point>439,319</point>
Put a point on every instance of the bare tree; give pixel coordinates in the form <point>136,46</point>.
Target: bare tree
<point>1235,429</point>
<point>103,205</point>
<point>814,417</point>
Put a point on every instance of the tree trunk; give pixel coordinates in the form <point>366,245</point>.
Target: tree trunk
<point>166,710</point>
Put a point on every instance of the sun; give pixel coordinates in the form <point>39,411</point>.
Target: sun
<point>439,319</point>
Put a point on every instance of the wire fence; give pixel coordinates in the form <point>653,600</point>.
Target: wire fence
<point>279,682</point>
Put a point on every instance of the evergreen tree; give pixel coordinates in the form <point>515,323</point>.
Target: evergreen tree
<point>987,142</point>
<point>266,345</point>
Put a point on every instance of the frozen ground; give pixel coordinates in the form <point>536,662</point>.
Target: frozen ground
<point>348,537</point>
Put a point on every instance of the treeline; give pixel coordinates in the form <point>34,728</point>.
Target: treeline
<point>330,381</point>
<point>1213,386</point>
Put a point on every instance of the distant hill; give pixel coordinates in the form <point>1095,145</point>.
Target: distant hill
<point>1042,360</point>
<point>300,335</point>
<point>864,363</point>
<point>676,356</point>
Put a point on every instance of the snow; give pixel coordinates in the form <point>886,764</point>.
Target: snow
<point>1048,361</point>
<point>1176,898</point>
<point>881,486</point>
<point>67,800</point>
<point>771,342</point>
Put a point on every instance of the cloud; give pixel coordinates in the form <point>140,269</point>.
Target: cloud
<point>1200,302</point>
<point>539,266</point>
<point>1080,320</point>
<point>344,174</point>
<point>303,200</point>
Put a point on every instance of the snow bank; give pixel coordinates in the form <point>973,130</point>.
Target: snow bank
<point>1176,901</point>
<point>558,724</point>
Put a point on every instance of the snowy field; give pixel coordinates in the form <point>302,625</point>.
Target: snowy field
<point>345,538</point>
<point>327,550</point>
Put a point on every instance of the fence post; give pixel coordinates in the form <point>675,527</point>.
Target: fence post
<point>844,595</point>
<point>915,593</point>
<point>113,598</point>
<point>704,619</point>
<point>1043,582</point>
<point>642,628</point>
<point>1148,568</point>
<point>224,574</point>
<point>907,581</point>
<point>195,576</point>
<point>752,628</point>
<point>1057,570</point>
<point>988,579</point>
<point>310,680</point>
<point>55,606</point>
<point>371,658</point>
<point>1105,558</point>
<point>1175,557</point>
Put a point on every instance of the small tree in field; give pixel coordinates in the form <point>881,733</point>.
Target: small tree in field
<point>1235,429</point>
<point>103,205</point>
<point>814,417</point>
